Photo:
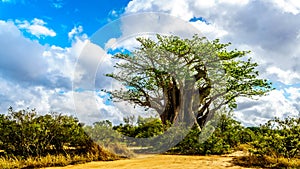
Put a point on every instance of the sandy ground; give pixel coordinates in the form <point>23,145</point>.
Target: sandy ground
<point>162,162</point>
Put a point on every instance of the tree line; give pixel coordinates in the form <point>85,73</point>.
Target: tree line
<point>26,134</point>
<point>266,144</point>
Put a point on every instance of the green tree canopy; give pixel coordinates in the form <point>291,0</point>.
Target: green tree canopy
<point>185,80</point>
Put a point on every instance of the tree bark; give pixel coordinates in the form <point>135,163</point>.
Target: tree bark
<point>172,104</point>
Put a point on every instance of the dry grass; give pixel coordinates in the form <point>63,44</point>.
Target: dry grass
<point>95,153</point>
<point>34,162</point>
<point>120,150</point>
<point>251,160</point>
<point>267,162</point>
<point>162,162</point>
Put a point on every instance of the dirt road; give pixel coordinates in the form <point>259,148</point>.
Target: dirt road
<point>161,162</point>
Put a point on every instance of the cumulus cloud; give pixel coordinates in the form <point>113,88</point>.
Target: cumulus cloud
<point>122,33</point>
<point>235,2</point>
<point>91,108</point>
<point>36,76</point>
<point>92,63</point>
<point>279,103</point>
<point>28,68</point>
<point>114,14</point>
<point>175,8</point>
<point>211,31</point>
<point>287,77</point>
<point>153,23</point>
<point>288,6</point>
<point>36,27</point>
<point>21,59</point>
<point>75,32</point>
<point>21,97</point>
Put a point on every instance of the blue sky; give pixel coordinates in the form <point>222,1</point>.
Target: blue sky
<point>62,15</point>
<point>41,41</point>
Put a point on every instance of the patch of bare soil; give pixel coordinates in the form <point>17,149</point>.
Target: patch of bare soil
<point>164,162</point>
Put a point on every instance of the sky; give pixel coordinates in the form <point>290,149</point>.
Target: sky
<point>49,50</point>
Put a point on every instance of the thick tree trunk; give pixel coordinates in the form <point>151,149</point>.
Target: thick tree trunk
<point>172,103</point>
<point>187,102</point>
<point>179,105</point>
<point>182,103</point>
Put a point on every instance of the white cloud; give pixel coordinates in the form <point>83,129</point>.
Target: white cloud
<point>285,76</point>
<point>235,2</point>
<point>91,108</point>
<point>42,76</point>
<point>92,61</point>
<point>245,23</point>
<point>75,32</point>
<point>294,93</point>
<point>176,8</point>
<point>58,4</point>
<point>15,63</point>
<point>115,13</point>
<point>36,27</point>
<point>111,43</point>
<point>276,104</point>
<point>211,31</point>
<point>298,36</point>
<point>139,5</point>
<point>288,6</point>
<point>23,73</point>
<point>21,97</point>
<point>205,4</point>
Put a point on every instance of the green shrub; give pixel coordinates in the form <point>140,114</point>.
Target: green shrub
<point>223,138</point>
<point>278,138</point>
<point>29,140</point>
<point>24,134</point>
<point>277,145</point>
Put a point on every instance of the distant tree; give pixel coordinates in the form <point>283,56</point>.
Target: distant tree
<point>102,132</point>
<point>185,80</point>
<point>147,127</point>
<point>278,138</point>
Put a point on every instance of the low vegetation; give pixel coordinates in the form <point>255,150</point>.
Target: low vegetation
<point>275,144</point>
<point>29,140</point>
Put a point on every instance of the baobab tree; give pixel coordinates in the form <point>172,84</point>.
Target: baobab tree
<point>185,80</point>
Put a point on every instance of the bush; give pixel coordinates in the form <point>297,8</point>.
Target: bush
<point>24,133</point>
<point>221,139</point>
<point>277,145</point>
<point>278,138</point>
<point>30,140</point>
<point>102,133</point>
